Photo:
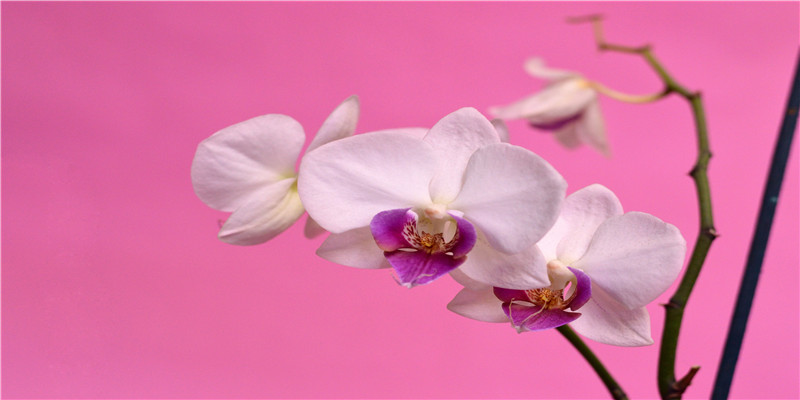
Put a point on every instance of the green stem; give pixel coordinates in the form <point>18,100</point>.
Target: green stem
<point>625,97</point>
<point>611,384</point>
<point>668,386</point>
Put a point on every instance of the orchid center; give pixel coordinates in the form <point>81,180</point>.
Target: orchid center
<point>548,298</point>
<point>422,244</point>
<point>432,243</point>
<point>437,234</point>
<point>547,307</point>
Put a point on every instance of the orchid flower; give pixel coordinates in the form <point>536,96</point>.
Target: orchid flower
<point>568,106</point>
<point>458,197</point>
<point>601,262</point>
<point>249,169</point>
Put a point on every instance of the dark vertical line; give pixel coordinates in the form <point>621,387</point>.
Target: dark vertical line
<point>747,288</point>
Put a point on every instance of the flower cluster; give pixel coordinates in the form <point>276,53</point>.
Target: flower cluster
<point>456,199</point>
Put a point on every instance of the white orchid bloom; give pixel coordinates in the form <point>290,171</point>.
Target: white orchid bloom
<point>568,106</point>
<point>423,205</point>
<point>607,264</point>
<point>249,169</point>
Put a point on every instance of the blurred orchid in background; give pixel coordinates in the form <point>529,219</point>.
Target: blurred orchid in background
<point>420,205</point>
<point>568,106</point>
<point>249,169</point>
<point>608,264</point>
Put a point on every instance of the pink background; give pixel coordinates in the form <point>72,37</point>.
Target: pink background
<point>113,281</point>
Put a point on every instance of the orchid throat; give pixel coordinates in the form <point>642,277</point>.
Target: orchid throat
<point>422,245</point>
<point>545,308</point>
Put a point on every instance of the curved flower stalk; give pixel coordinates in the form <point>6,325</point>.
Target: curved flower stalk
<point>605,264</point>
<point>458,197</point>
<point>249,169</point>
<point>568,106</point>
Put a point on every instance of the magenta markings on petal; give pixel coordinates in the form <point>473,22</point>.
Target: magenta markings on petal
<point>556,124</point>
<point>419,248</point>
<point>583,289</point>
<point>465,237</point>
<point>510,295</point>
<point>418,267</point>
<point>544,308</point>
<point>387,228</point>
<point>536,318</point>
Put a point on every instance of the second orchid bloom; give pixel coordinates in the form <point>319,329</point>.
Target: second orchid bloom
<point>604,268</point>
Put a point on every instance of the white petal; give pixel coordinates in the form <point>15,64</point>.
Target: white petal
<point>592,130</point>
<point>354,248</point>
<point>634,257</point>
<point>560,101</point>
<point>479,305</point>
<point>548,244</point>
<point>340,124</point>
<point>264,215</point>
<point>515,110</point>
<point>523,270</point>
<point>606,321</point>
<point>343,184</point>
<point>510,194</point>
<point>454,138</point>
<point>234,163</point>
<point>569,135</point>
<point>501,128</point>
<point>535,67</point>
<point>418,133</point>
<point>583,212</point>
<point>464,280</point>
<point>554,104</point>
<point>312,228</point>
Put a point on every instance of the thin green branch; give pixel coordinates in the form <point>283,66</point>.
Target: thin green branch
<point>625,97</point>
<point>603,45</point>
<point>669,387</point>
<point>611,384</point>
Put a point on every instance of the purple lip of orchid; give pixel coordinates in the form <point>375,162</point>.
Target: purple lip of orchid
<point>544,308</point>
<point>556,124</point>
<point>421,248</point>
